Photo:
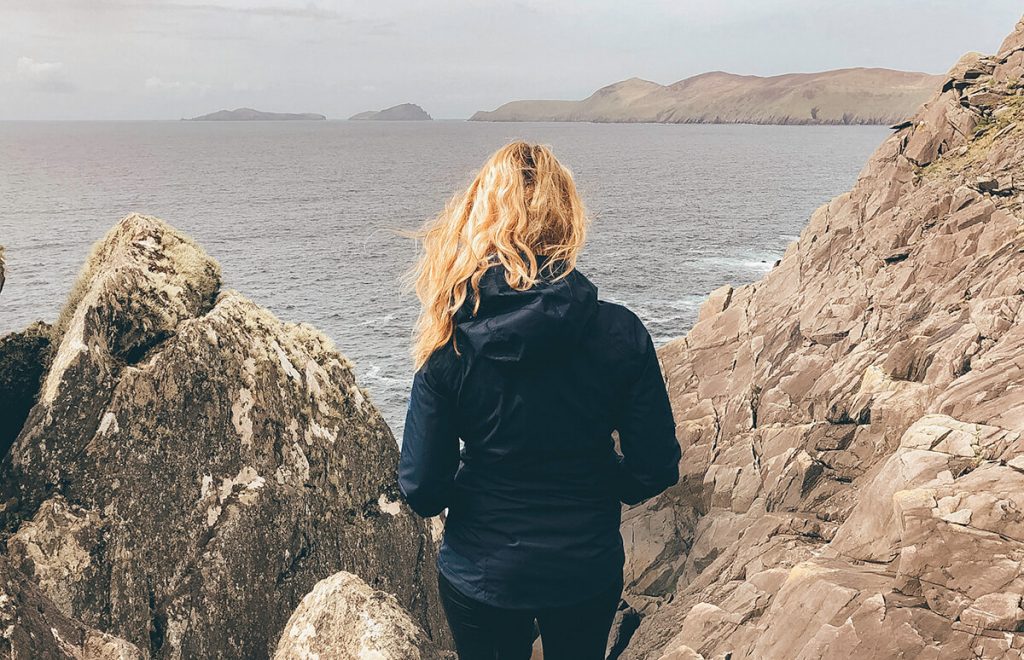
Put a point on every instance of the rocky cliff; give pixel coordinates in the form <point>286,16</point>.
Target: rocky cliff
<point>192,466</point>
<point>853,468</point>
<point>843,96</point>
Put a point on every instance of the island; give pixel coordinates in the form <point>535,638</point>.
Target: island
<point>842,96</point>
<point>402,112</point>
<point>248,114</point>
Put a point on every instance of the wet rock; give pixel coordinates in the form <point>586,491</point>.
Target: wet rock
<point>852,424</point>
<point>24,357</point>
<point>31,626</point>
<point>193,465</point>
<point>343,618</point>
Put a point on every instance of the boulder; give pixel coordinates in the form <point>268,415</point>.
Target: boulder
<point>852,424</point>
<point>193,465</point>
<point>344,618</point>
<point>24,357</point>
<point>31,626</point>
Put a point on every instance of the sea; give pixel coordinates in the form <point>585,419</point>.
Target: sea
<point>306,217</point>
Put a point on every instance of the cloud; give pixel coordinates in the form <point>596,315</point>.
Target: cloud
<point>243,86</point>
<point>155,84</point>
<point>308,11</point>
<point>43,76</point>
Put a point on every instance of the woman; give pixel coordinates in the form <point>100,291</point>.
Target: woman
<point>517,358</point>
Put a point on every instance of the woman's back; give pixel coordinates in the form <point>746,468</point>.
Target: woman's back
<point>541,379</point>
<point>520,363</point>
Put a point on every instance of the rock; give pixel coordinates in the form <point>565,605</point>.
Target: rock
<point>987,183</point>
<point>33,627</point>
<point>1013,43</point>
<point>851,425</point>
<point>703,626</point>
<point>682,653</point>
<point>625,623</point>
<point>3,268</point>
<point>24,358</point>
<point>193,465</point>
<point>983,99</point>
<point>343,618</point>
<point>995,612</point>
<point>57,548</point>
<point>996,185</point>
<point>718,300</point>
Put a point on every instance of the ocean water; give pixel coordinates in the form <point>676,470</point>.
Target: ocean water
<point>303,215</point>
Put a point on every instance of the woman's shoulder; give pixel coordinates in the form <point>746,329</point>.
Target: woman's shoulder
<point>443,366</point>
<point>619,338</point>
<point>622,323</point>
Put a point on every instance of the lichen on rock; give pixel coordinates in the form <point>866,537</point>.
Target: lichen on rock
<point>194,465</point>
<point>31,626</point>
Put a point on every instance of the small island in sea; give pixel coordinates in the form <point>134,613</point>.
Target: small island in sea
<point>402,112</point>
<point>248,114</point>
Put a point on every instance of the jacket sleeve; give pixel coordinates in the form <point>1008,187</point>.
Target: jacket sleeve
<point>647,433</point>
<point>430,446</point>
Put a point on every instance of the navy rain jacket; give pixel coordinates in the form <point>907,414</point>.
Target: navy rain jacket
<point>540,380</point>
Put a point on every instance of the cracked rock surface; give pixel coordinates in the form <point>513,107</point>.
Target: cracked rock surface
<point>853,468</point>
<point>194,466</point>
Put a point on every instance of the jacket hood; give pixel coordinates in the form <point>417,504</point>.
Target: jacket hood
<point>513,326</point>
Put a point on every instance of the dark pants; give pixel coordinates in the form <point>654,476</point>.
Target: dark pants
<point>483,632</point>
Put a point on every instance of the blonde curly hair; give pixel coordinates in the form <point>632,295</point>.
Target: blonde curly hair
<point>522,205</point>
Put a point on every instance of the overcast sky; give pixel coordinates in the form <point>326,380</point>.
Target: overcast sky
<point>165,59</point>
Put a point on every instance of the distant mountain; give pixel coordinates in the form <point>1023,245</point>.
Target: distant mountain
<point>248,114</point>
<point>403,112</point>
<point>843,96</point>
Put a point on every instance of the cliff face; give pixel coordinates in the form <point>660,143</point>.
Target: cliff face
<point>193,466</point>
<point>853,468</point>
<point>844,96</point>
